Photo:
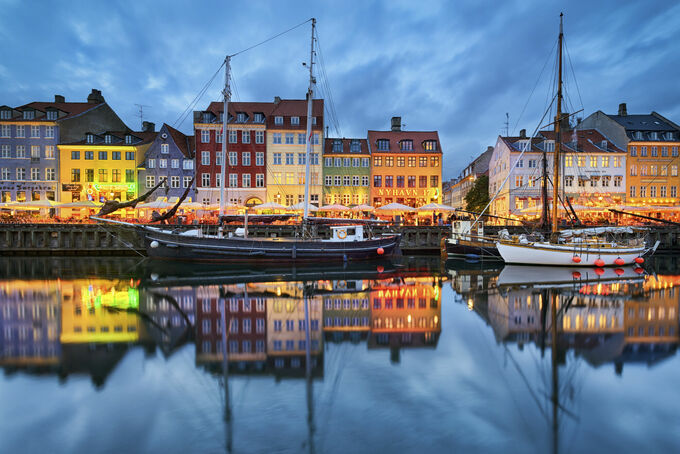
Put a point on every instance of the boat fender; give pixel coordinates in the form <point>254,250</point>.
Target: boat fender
<point>380,251</point>
<point>619,261</point>
<point>599,263</point>
<point>639,260</point>
<point>154,244</point>
<point>576,259</point>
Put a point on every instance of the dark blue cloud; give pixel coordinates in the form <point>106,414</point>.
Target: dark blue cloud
<point>456,67</point>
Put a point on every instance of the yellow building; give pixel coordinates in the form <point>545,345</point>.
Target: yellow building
<point>406,167</point>
<point>103,167</point>
<point>98,311</point>
<point>286,152</point>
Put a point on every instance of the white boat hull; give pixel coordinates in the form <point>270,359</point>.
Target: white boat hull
<point>563,255</point>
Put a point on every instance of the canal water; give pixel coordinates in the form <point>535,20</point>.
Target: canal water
<point>104,355</point>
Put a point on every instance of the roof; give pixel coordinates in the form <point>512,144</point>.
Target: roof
<point>182,141</point>
<point>647,124</point>
<point>587,141</point>
<point>395,137</point>
<point>288,108</point>
<point>328,146</point>
<point>71,109</point>
<point>249,108</point>
<point>118,138</point>
<point>279,107</point>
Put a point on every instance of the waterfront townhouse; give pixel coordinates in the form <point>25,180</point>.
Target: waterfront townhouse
<point>286,151</point>
<point>246,152</point>
<point>29,135</point>
<point>406,167</point>
<point>346,310</point>
<point>467,178</point>
<point>346,171</point>
<point>652,143</point>
<point>170,156</point>
<point>170,315</point>
<point>104,166</point>
<point>593,171</point>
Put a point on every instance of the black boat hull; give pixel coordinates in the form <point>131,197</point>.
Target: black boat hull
<point>165,245</point>
<point>472,249</point>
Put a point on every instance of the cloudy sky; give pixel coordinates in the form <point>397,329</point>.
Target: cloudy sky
<point>456,67</point>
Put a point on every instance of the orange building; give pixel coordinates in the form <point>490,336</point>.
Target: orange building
<point>406,166</point>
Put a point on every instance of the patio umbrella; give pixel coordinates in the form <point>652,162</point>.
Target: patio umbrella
<point>436,207</point>
<point>156,205</point>
<point>334,207</point>
<point>192,206</point>
<point>394,206</point>
<point>363,207</point>
<point>35,204</point>
<point>301,206</point>
<point>269,206</point>
<point>80,204</point>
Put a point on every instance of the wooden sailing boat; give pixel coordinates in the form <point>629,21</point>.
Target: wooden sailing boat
<point>347,242</point>
<point>585,247</point>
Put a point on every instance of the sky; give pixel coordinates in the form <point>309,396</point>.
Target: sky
<point>454,67</point>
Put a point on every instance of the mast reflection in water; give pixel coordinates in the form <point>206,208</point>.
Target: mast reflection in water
<point>115,355</point>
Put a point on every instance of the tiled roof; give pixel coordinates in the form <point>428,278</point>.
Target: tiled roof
<point>71,109</point>
<point>328,147</point>
<point>642,122</point>
<point>118,138</point>
<point>249,108</point>
<point>395,137</point>
<point>588,141</point>
<point>182,141</point>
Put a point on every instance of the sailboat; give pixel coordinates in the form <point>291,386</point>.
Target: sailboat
<point>585,247</point>
<point>347,242</point>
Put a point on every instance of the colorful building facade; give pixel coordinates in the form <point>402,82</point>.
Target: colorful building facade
<point>170,156</point>
<point>406,166</point>
<point>103,166</point>
<point>246,152</point>
<point>346,172</point>
<point>286,152</point>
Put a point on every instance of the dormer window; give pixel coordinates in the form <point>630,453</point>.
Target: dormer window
<point>241,117</point>
<point>337,146</point>
<point>314,121</point>
<point>406,145</point>
<point>259,118</point>
<point>294,120</point>
<point>128,139</point>
<point>89,138</point>
<point>383,144</point>
<point>654,136</point>
<point>604,144</point>
<point>638,135</point>
<point>107,138</point>
<point>278,120</point>
<point>29,115</point>
<point>206,117</point>
<point>355,146</point>
<point>51,114</point>
<point>221,117</point>
<point>430,145</point>
<point>5,114</point>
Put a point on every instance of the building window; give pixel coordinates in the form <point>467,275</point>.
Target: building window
<point>355,180</point>
<point>423,161</point>
<point>259,180</point>
<point>205,180</point>
<point>245,136</point>
<point>383,144</point>
<point>233,180</point>
<point>276,137</point>
<point>430,145</point>
<point>377,161</point>
<point>643,191</point>
<point>35,151</point>
<point>102,156</point>
<point>115,176</point>
<point>290,138</point>
<point>150,163</point>
<point>233,158</point>
<point>35,132</point>
<point>205,136</point>
<point>328,180</point>
<point>389,181</point>
<point>377,181</point>
<point>617,181</point>
<point>569,180</point>
<point>89,175</point>
<point>162,163</point>
<point>400,181</point>
<point>49,151</point>
<point>259,137</point>
<point>174,181</point>
<point>434,161</point>
<point>129,176</point>
<point>401,161</point>
<point>278,120</point>
<point>245,180</point>
<point>277,158</point>
<point>128,139</point>
<point>655,151</point>
<point>302,159</point>
<point>205,158</point>
<point>174,163</point>
<point>406,145</point>
<point>633,150</point>
<point>49,132</point>
<point>674,191</point>
<point>186,181</point>
<point>103,175</point>
<point>290,159</point>
<point>337,180</point>
<point>674,170</point>
<point>115,155</point>
<point>643,151</point>
<point>75,175</point>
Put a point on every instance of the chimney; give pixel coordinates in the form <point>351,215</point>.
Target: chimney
<point>277,99</point>
<point>489,149</point>
<point>59,98</point>
<point>523,133</point>
<point>564,122</point>
<point>95,97</point>
<point>147,126</point>
<point>622,109</point>
<point>396,123</point>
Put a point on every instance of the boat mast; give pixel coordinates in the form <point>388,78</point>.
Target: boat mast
<point>225,118</point>
<point>310,97</point>
<point>558,136</point>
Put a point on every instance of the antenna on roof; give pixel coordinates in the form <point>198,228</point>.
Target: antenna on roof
<point>507,124</point>
<point>141,113</point>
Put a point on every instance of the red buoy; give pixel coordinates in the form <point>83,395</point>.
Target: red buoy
<point>639,270</point>
<point>619,261</point>
<point>380,251</point>
<point>599,262</point>
<point>381,268</point>
<point>576,259</point>
<point>576,275</point>
<point>639,260</point>
<point>619,271</point>
<point>599,271</point>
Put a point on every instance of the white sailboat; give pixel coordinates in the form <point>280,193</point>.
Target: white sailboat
<point>577,248</point>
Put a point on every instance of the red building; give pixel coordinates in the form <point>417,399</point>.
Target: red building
<point>246,152</point>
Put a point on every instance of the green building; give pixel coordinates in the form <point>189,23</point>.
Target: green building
<point>347,171</point>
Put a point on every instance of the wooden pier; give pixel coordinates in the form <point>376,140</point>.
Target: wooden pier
<point>119,240</point>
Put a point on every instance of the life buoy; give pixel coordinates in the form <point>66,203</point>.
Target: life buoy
<point>342,234</point>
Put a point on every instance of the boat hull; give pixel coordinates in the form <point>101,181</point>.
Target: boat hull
<point>563,255</point>
<point>472,249</point>
<point>166,245</point>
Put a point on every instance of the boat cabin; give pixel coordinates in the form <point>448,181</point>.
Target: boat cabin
<point>463,228</point>
<point>347,233</point>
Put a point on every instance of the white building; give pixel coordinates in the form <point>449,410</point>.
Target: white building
<point>593,171</point>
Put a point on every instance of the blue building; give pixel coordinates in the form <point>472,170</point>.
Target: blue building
<point>170,156</point>
<point>29,134</point>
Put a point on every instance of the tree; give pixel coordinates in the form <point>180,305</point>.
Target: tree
<point>478,197</point>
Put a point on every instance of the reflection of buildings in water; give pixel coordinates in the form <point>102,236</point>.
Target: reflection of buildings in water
<point>29,324</point>
<point>169,313</point>
<point>346,310</point>
<point>471,286</point>
<point>605,322</point>
<point>405,313</point>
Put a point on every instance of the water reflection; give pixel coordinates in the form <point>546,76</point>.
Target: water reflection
<point>287,325</point>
